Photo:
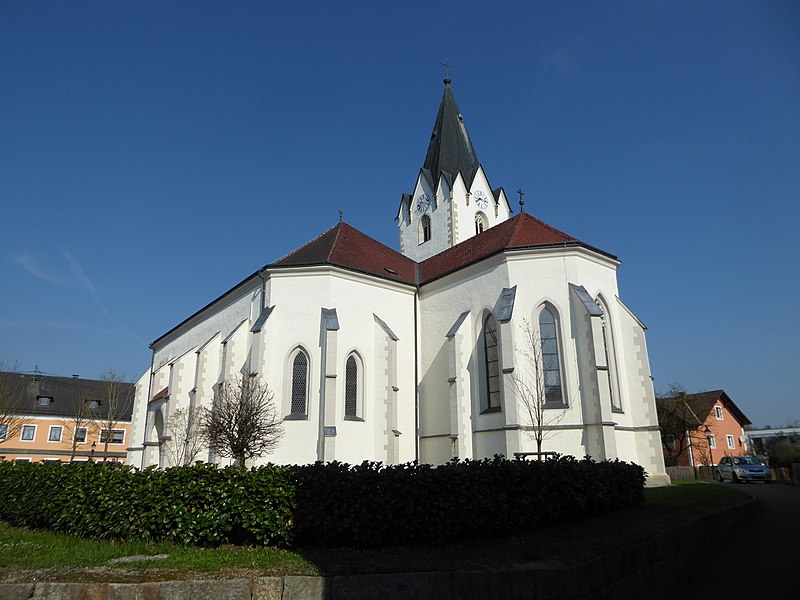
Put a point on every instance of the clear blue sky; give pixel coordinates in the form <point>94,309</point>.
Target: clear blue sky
<point>153,154</point>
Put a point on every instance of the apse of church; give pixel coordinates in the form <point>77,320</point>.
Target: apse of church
<point>375,354</point>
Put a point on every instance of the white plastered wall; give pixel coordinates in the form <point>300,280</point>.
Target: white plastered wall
<point>541,276</point>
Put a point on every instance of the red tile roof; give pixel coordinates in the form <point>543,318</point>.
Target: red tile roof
<point>521,231</point>
<point>704,401</point>
<point>346,247</point>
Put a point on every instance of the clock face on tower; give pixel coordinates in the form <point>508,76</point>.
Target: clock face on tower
<point>481,200</point>
<point>423,202</point>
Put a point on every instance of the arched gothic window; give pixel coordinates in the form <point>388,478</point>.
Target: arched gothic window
<point>352,388</point>
<point>299,405</point>
<point>491,366</point>
<point>424,229</point>
<point>480,223</point>
<point>611,359</point>
<point>551,361</point>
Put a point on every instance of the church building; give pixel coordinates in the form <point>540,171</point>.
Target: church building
<point>485,331</point>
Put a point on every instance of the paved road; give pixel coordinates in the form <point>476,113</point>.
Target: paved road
<point>760,560</point>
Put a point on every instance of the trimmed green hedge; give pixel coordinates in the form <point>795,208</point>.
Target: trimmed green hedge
<point>200,505</point>
<point>376,505</point>
<point>330,504</point>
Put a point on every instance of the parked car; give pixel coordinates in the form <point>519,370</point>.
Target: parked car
<point>742,468</point>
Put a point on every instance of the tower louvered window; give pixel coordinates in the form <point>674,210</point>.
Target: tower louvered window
<point>300,384</point>
<point>480,223</point>
<point>351,387</point>
<point>551,363</point>
<point>424,229</point>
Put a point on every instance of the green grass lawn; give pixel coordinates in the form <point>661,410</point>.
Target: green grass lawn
<point>692,493</point>
<point>71,558</point>
<point>24,549</point>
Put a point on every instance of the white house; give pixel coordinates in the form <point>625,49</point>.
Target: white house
<point>375,354</point>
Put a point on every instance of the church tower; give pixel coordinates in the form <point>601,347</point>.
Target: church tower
<point>452,200</point>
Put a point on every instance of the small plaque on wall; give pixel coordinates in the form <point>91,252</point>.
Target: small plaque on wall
<point>330,431</point>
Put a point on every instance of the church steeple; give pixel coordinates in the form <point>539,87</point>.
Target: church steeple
<point>450,148</point>
<point>452,199</point>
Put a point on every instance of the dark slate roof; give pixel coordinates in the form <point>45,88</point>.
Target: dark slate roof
<point>66,393</point>
<point>703,402</point>
<point>521,231</point>
<point>346,247</point>
<point>450,148</point>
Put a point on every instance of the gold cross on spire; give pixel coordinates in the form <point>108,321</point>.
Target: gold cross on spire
<point>447,66</point>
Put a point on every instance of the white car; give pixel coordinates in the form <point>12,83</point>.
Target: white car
<point>742,468</point>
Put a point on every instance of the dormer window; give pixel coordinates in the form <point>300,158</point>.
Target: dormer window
<point>92,403</point>
<point>44,400</point>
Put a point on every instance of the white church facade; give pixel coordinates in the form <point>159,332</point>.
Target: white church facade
<point>374,354</point>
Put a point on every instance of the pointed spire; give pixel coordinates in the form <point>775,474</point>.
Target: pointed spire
<point>450,149</point>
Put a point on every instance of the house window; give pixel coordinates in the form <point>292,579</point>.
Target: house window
<point>480,223</point>
<point>92,403</point>
<point>80,435</point>
<point>669,441</point>
<point>712,442</point>
<point>730,440</point>
<point>352,388</point>
<point>54,435</point>
<point>424,229</point>
<point>300,370</point>
<point>491,366</point>
<point>718,412</point>
<point>551,363</point>
<point>28,433</point>
<point>3,431</point>
<point>44,400</point>
<point>117,435</point>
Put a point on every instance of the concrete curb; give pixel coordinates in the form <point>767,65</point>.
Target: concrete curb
<point>642,570</point>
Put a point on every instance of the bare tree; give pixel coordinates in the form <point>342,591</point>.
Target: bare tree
<point>680,417</point>
<point>79,423</point>
<point>529,384</point>
<point>117,397</point>
<point>244,421</point>
<point>12,397</point>
<point>187,437</point>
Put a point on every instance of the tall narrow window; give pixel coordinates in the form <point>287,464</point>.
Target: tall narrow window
<point>551,363</point>
<point>611,357</point>
<point>424,229</point>
<point>480,223</point>
<point>352,388</point>
<point>300,384</point>
<point>491,364</point>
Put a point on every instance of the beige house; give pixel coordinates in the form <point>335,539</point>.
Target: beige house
<point>63,419</point>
